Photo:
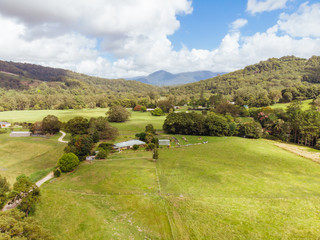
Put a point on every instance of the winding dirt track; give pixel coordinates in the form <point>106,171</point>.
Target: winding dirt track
<point>39,183</point>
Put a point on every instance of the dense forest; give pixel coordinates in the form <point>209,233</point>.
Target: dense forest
<point>275,80</point>
<point>29,86</point>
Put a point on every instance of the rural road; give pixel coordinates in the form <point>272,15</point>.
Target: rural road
<point>43,180</point>
<point>39,183</point>
<point>60,138</point>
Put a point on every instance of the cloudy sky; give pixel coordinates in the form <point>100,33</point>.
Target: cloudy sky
<point>126,38</point>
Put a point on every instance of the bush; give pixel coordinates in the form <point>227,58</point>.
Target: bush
<point>137,108</point>
<point>157,112</point>
<point>57,172</point>
<point>250,130</point>
<point>68,162</point>
<point>143,109</point>
<point>155,154</point>
<point>150,146</point>
<point>106,146</point>
<point>102,154</point>
<point>135,147</point>
<point>141,136</point>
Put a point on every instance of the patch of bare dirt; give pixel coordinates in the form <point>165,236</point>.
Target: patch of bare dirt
<point>301,151</point>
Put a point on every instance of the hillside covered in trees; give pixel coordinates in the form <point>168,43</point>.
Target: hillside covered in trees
<point>28,86</point>
<point>284,79</point>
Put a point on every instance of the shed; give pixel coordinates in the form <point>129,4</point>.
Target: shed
<point>164,142</point>
<point>20,134</point>
<point>5,124</point>
<point>90,158</point>
<point>128,144</point>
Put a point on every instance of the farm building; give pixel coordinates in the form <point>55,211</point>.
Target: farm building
<point>164,142</point>
<point>90,158</point>
<point>128,144</point>
<point>5,124</point>
<point>20,134</point>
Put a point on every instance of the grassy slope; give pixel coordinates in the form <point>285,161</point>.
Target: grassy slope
<point>305,105</point>
<point>27,155</point>
<point>230,188</point>
<point>137,121</point>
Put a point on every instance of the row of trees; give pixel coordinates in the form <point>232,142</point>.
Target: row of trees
<point>211,124</point>
<point>291,125</point>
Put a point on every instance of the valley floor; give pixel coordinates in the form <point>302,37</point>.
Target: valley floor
<point>230,188</point>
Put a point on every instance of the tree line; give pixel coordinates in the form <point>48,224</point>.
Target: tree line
<point>290,125</point>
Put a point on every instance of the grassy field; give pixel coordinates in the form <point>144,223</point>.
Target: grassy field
<point>305,105</point>
<point>28,155</point>
<point>230,188</point>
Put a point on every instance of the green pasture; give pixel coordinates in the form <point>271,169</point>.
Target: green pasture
<point>230,188</point>
<point>305,105</point>
<point>38,115</point>
<point>28,155</point>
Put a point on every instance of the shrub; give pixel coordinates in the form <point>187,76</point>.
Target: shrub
<point>68,162</point>
<point>143,109</point>
<point>141,136</point>
<point>135,147</point>
<point>157,112</point>
<point>155,154</point>
<point>106,146</point>
<point>102,154</point>
<point>150,146</point>
<point>137,108</point>
<point>57,172</point>
<point>250,130</point>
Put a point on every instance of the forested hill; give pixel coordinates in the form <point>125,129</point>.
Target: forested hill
<point>22,76</point>
<point>273,75</point>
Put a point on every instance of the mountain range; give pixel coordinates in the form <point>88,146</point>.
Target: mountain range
<point>164,78</point>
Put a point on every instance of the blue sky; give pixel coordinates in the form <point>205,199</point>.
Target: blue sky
<point>210,21</point>
<point>137,37</point>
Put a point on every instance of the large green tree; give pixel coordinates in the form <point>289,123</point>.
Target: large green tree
<point>27,192</point>
<point>77,126</point>
<point>15,225</point>
<point>118,113</point>
<point>51,124</point>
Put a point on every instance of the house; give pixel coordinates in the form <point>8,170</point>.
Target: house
<point>20,134</point>
<point>5,124</point>
<point>128,144</point>
<point>164,142</point>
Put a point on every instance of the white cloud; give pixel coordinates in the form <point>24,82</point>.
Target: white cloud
<point>304,23</point>
<point>239,23</point>
<point>256,6</point>
<point>135,33</point>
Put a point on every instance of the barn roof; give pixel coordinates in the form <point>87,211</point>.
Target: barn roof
<point>129,143</point>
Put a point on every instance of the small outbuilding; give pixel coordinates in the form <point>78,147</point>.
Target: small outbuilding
<point>164,142</point>
<point>90,158</point>
<point>5,124</point>
<point>20,134</point>
<point>128,144</point>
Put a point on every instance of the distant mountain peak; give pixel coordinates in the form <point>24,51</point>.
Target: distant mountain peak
<point>164,78</point>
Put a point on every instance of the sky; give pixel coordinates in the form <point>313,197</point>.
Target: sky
<point>128,38</point>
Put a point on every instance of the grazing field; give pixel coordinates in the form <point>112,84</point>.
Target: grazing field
<point>305,105</point>
<point>230,188</point>
<point>136,123</point>
<point>28,155</point>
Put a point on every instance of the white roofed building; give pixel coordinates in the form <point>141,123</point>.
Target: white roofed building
<point>128,144</point>
<point>5,124</point>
